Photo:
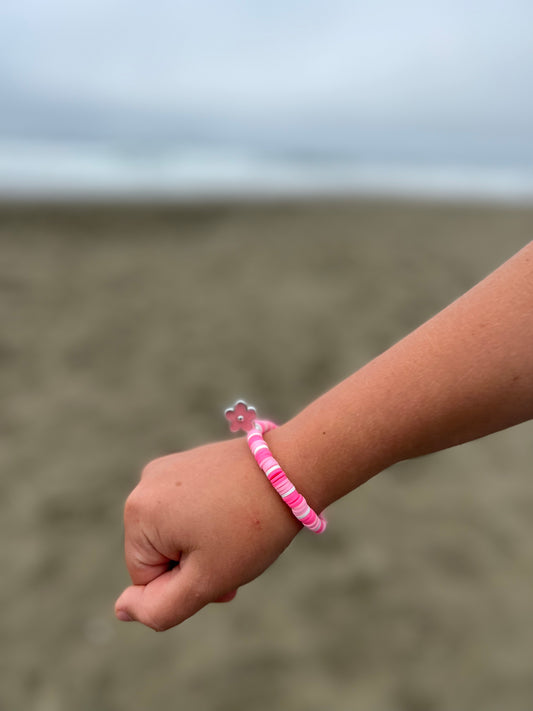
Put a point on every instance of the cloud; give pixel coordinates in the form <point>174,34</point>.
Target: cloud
<point>300,73</point>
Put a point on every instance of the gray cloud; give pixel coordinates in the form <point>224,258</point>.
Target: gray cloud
<point>309,75</point>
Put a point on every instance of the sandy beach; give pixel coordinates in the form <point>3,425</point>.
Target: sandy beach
<point>125,332</point>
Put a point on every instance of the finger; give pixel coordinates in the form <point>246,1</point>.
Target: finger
<point>143,561</point>
<point>166,600</point>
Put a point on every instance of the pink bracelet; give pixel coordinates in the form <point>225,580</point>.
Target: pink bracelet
<point>243,417</point>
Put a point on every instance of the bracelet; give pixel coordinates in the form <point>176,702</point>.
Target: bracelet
<point>243,417</point>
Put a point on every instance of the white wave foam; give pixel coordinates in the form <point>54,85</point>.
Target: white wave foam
<point>63,170</point>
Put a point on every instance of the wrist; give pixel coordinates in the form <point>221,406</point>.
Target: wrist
<point>244,417</point>
<point>300,465</point>
<point>326,457</point>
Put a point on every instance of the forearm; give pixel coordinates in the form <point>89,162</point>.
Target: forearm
<point>465,373</point>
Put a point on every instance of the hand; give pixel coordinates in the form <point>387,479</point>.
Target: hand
<point>198,525</point>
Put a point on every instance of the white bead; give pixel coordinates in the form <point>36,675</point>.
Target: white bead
<point>293,488</point>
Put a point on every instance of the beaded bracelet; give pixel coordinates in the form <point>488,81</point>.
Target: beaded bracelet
<point>243,417</point>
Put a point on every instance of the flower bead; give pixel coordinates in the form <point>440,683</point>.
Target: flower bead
<point>240,417</point>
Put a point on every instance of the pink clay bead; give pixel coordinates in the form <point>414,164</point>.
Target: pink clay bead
<point>266,426</point>
<point>284,489</point>
<point>277,475</point>
<point>270,462</point>
<point>293,499</point>
<point>301,508</point>
<point>309,519</point>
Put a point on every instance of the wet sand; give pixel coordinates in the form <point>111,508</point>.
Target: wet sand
<point>125,331</point>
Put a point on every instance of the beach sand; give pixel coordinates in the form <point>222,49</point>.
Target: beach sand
<point>125,332</point>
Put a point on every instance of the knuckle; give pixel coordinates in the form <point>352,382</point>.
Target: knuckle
<point>133,506</point>
<point>151,468</point>
<point>147,470</point>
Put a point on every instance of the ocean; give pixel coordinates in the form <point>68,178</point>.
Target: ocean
<point>71,170</point>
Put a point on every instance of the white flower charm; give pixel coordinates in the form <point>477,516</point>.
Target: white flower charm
<point>240,417</point>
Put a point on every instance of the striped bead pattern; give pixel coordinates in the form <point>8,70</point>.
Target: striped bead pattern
<point>279,480</point>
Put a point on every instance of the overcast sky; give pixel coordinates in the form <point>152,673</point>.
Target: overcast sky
<point>302,74</point>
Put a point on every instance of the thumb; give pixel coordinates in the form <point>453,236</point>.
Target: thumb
<point>166,600</point>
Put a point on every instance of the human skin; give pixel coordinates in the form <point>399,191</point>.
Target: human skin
<point>204,522</point>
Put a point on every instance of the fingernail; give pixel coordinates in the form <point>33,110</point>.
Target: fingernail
<point>123,616</point>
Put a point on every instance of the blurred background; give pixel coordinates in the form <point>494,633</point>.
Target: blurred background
<point>158,165</point>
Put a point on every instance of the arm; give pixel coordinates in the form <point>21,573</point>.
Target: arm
<point>465,373</point>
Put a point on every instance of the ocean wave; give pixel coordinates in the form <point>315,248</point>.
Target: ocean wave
<point>73,170</point>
